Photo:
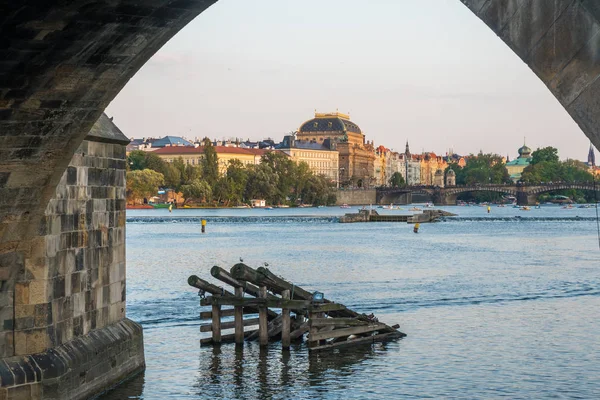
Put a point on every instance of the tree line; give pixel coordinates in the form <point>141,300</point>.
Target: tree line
<point>276,179</point>
<point>545,167</point>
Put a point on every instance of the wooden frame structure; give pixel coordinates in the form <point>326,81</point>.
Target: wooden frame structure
<point>258,291</point>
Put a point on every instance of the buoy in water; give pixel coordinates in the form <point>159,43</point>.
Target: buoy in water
<point>203,226</point>
<point>416,228</point>
<point>170,207</point>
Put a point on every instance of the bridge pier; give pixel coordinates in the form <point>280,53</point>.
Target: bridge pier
<point>397,198</point>
<point>62,300</point>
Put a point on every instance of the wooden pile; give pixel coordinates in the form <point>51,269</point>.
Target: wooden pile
<point>257,291</point>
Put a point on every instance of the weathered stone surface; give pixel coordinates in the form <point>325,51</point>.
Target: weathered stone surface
<point>78,369</point>
<point>559,40</point>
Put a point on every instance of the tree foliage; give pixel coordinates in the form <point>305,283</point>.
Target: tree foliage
<point>277,179</point>
<point>397,180</point>
<point>143,184</point>
<point>210,163</point>
<point>482,169</point>
<point>198,191</point>
<point>546,154</point>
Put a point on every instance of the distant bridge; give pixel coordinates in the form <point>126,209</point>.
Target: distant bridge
<point>525,194</point>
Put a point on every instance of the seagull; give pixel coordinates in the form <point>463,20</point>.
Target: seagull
<point>266,264</point>
<point>241,259</point>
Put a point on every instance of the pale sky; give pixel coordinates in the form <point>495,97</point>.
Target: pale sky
<point>426,71</point>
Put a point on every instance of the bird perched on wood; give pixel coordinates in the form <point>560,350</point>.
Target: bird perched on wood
<point>266,264</point>
<point>241,259</point>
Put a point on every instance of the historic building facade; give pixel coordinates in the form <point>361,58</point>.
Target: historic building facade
<point>516,166</point>
<point>430,163</point>
<point>322,158</point>
<point>356,156</point>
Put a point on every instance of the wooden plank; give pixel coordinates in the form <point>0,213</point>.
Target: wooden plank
<point>357,330</point>
<point>230,325</point>
<point>227,301</point>
<point>301,330</point>
<point>312,330</point>
<point>338,322</point>
<point>229,338</point>
<point>224,276</point>
<point>239,318</point>
<point>252,302</point>
<point>363,340</point>
<point>216,324</point>
<point>326,307</point>
<point>262,317</point>
<point>224,313</point>
<point>285,322</point>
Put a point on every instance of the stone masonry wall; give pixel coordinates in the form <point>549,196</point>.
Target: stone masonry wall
<point>69,337</point>
<point>356,197</point>
<point>78,283</point>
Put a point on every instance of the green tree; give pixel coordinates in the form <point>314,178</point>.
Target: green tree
<point>136,160</point>
<point>210,163</point>
<point>237,179</point>
<point>197,191</point>
<point>546,154</point>
<point>262,183</point>
<point>397,180</point>
<point>285,169</point>
<point>143,184</point>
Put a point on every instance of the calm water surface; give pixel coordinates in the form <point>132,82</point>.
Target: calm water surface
<point>505,304</point>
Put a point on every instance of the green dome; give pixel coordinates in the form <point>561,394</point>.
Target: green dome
<point>524,151</point>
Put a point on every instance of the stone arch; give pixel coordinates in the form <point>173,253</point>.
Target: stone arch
<point>63,62</point>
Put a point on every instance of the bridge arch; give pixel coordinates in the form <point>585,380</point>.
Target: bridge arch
<point>63,63</point>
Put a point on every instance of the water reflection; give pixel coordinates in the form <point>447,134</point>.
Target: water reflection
<point>267,373</point>
<point>130,389</point>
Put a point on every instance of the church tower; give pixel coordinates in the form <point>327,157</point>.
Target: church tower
<point>591,157</point>
<point>407,150</point>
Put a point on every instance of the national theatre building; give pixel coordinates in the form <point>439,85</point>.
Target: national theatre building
<point>356,157</point>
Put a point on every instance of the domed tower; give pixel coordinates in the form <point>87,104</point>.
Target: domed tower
<point>451,178</point>
<point>524,152</point>
<point>438,179</point>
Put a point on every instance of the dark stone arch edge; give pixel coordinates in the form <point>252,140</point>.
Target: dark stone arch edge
<point>78,369</point>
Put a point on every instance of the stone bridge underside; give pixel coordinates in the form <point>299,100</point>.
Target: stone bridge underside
<point>62,62</point>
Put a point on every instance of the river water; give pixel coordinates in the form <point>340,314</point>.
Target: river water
<point>505,304</point>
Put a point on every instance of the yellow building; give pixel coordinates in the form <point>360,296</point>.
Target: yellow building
<point>516,166</point>
<point>356,156</point>
<point>430,163</point>
<point>321,158</point>
<point>193,155</point>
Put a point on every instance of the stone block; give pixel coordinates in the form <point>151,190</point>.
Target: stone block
<point>38,291</point>
<point>37,341</point>
<point>22,293</point>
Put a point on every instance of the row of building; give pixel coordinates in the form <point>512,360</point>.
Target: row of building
<point>334,146</point>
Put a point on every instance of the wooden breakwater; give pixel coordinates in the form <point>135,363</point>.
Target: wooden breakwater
<point>259,291</point>
<point>374,216</point>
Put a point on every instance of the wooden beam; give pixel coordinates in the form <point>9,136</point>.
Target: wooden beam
<point>208,287</point>
<point>252,302</point>
<point>224,276</point>
<point>239,318</point>
<point>363,340</point>
<point>357,330</point>
<point>301,330</point>
<point>338,322</point>
<point>326,307</point>
<point>216,323</point>
<point>230,325</point>
<point>285,324</point>
<point>262,317</point>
